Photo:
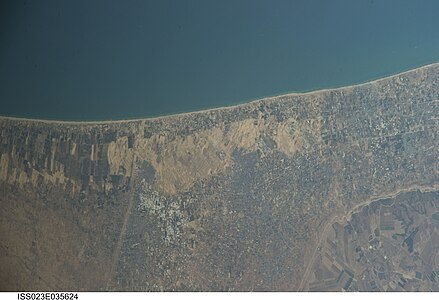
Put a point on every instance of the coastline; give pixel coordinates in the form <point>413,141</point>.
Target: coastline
<point>220,108</point>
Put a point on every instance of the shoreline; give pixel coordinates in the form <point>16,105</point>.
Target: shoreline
<point>220,108</point>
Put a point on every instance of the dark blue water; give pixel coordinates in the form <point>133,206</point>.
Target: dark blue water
<point>99,60</point>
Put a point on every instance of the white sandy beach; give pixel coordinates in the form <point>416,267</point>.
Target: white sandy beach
<point>251,102</point>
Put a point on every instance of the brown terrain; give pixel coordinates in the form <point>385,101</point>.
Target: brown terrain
<point>230,199</point>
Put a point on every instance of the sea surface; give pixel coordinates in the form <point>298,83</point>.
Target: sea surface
<point>107,60</point>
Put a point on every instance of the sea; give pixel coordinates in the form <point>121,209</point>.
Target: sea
<point>109,60</point>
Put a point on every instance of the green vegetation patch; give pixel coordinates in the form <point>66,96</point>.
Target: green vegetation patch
<point>348,283</point>
<point>388,228</point>
<point>349,273</point>
<point>387,202</point>
<point>339,276</point>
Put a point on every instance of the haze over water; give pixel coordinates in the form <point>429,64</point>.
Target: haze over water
<point>105,60</point>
